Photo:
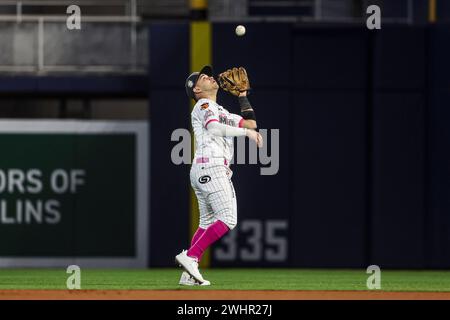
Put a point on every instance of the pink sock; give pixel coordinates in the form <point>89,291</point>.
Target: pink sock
<point>197,235</point>
<point>210,235</point>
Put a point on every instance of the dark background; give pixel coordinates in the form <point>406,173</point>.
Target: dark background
<point>363,115</point>
<point>364,175</point>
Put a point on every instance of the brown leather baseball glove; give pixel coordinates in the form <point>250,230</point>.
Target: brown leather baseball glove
<point>234,81</point>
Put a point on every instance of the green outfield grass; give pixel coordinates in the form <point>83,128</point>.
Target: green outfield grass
<point>227,279</point>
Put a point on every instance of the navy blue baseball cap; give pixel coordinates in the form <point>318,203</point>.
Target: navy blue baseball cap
<point>191,81</point>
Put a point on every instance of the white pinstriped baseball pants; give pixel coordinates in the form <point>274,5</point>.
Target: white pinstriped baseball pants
<point>215,194</point>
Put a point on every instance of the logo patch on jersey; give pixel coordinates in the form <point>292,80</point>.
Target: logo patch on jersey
<point>204,106</point>
<point>204,179</point>
<point>208,114</point>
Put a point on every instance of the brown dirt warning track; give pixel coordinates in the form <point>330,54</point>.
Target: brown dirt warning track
<point>216,295</point>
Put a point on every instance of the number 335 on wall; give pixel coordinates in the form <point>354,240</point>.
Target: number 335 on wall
<point>263,241</point>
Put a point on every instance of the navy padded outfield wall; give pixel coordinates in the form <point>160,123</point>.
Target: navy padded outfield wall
<point>169,110</point>
<point>398,199</point>
<point>329,147</point>
<point>363,129</point>
<point>438,152</point>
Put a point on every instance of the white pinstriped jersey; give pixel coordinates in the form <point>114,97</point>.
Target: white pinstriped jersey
<point>206,144</point>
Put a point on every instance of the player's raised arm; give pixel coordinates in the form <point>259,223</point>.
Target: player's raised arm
<point>247,112</point>
<point>236,82</point>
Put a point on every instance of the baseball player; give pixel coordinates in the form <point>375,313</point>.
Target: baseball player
<point>214,129</point>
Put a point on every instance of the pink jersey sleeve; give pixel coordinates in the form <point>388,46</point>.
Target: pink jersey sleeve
<point>237,119</point>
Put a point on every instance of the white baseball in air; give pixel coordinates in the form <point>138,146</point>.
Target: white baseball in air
<point>240,30</point>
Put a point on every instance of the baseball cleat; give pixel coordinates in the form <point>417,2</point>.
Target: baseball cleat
<point>190,265</point>
<point>187,280</point>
